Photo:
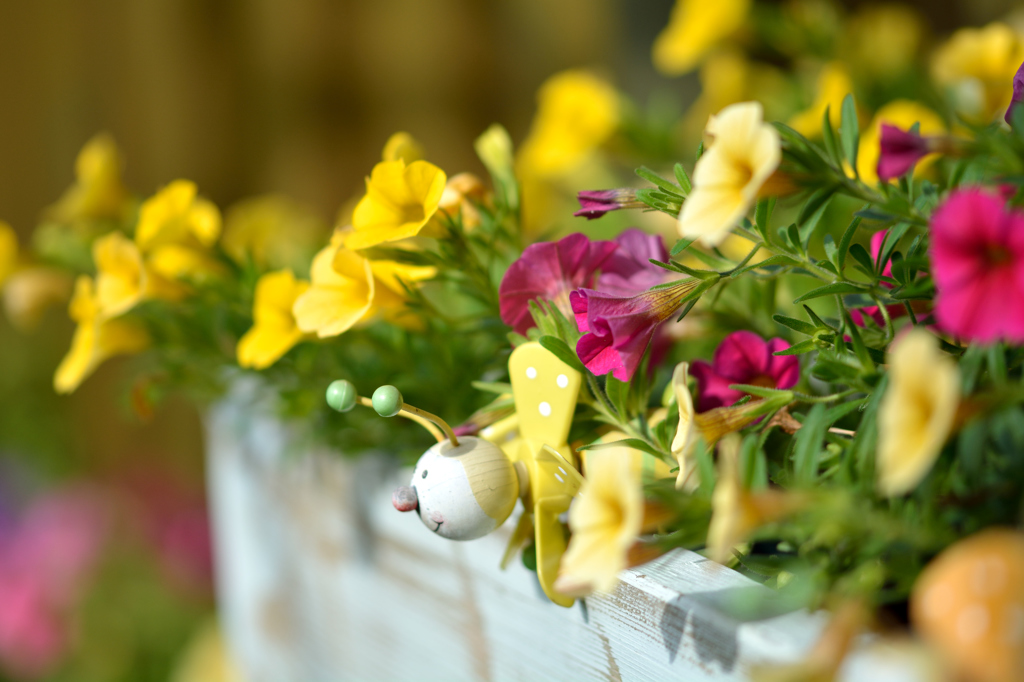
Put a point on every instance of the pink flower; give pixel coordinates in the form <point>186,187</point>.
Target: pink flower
<point>1018,93</point>
<point>629,270</point>
<point>900,151</point>
<point>595,203</point>
<point>743,358</point>
<point>549,271</point>
<point>618,330</point>
<point>977,253</point>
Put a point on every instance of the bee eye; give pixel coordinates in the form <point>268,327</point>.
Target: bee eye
<point>424,474</point>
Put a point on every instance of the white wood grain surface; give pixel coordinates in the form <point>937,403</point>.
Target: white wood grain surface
<point>320,579</point>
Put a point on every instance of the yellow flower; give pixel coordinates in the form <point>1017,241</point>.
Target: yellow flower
<point>883,40</point>
<point>8,251</point>
<point>605,520</point>
<point>576,113</point>
<point>175,215</point>
<point>402,146</point>
<point>122,279</point>
<point>833,86</point>
<point>98,191</point>
<point>96,338</point>
<point>274,330</point>
<point>903,114</point>
<point>347,289</point>
<point>694,29</point>
<point>744,151</point>
<point>977,66</point>
<point>916,414</point>
<point>31,290</point>
<point>272,232</point>
<point>399,202</point>
<point>736,511</point>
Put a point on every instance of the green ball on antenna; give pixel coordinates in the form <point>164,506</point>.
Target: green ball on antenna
<point>387,400</point>
<point>341,395</point>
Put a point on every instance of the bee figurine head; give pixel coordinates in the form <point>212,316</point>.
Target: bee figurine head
<point>461,492</point>
<point>462,488</point>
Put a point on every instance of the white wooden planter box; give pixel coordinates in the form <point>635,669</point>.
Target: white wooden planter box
<point>320,579</point>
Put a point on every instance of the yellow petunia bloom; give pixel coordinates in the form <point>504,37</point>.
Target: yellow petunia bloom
<point>98,191</point>
<point>916,414</point>
<point>347,289</point>
<point>605,520</point>
<point>402,146</point>
<point>122,279</point>
<point>744,151</point>
<point>30,291</point>
<point>976,66</point>
<point>903,114</point>
<point>176,215</point>
<point>274,329</point>
<point>833,86</point>
<point>400,199</point>
<point>576,113</point>
<point>96,338</point>
<point>693,30</point>
<point>272,232</point>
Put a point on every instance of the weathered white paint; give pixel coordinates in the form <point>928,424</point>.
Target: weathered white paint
<point>320,579</point>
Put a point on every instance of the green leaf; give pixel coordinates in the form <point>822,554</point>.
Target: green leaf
<point>763,216</point>
<point>705,468</point>
<point>681,246</point>
<point>860,255</point>
<point>849,131</point>
<point>634,443</point>
<point>837,412</point>
<point>807,446</point>
<point>683,179</point>
<point>828,137</point>
<point>748,460</point>
<point>655,179</point>
<point>807,346</point>
<point>796,325</point>
<point>892,238</point>
<point>498,387</point>
<point>858,345</point>
<point>767,262</point>
<point>792,235</point>
<point>844,242</point>
<point>710,260</point>
<point>562,352</point>
<point>836,288</point>
<point>831,251</point>
<point>618,392</point>
<point>679,267</point>
<point>822,324</point>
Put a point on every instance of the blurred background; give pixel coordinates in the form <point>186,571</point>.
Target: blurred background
<point>105,561</point>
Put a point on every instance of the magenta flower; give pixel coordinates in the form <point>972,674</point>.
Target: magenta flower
<point>549,271</point>
<point>617,330</point>
<point>629,270</point>
<point>743,358</point>
<point>595,203</point>
<point>900,151</point>
<point>1018,94</point>
<point>977,253</point>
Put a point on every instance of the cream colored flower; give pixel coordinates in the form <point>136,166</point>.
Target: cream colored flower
<point>695,27</point>
<point>977,66</point>
<point>916,414</point>
<point>744,151</point>
<point>605,520</point>
<point>687,431</point>
<point>30,291</point>
<point>833,86</point>
<point>903,114</point>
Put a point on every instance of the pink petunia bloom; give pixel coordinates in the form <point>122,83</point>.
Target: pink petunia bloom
<point>549,271</point>
<point>595,203</point>
<point>977,253</point>
<point>900,150</point>
<point>743,358</point>
<point>618,330</point>
<point>1018,94</point>
<point>629,270</point>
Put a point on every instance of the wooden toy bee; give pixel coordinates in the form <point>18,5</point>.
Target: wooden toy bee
<point>463,488</point>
